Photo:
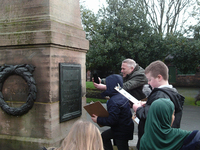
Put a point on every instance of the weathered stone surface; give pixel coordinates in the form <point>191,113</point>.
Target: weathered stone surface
<point>42,33</point>
<point>36,22</point>
<point>44,116</point>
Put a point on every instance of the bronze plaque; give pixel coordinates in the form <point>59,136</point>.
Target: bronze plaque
<point>70,91</point>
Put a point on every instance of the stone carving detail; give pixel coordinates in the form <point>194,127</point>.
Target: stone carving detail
<point>25,71</point>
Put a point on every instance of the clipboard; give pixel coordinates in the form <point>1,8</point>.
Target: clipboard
<point>135,119</point>
<point>126,94</point>
<point>97,109</point>
<point>130,98</point>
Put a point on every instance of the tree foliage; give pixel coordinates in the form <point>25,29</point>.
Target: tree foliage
<point>184,52</point>
<point>116,33</point>
<point>123,30</point>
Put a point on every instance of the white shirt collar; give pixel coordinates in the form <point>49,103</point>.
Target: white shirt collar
<point>168,86</point>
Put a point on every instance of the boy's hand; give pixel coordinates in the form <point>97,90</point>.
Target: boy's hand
<point>94,118</point>
<point>136,105</point>
<point>143,103</point>
<point>99,86</point>
<point>98,78</point>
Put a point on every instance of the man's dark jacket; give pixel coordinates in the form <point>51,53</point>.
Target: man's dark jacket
<point>133,82</point>
<point>157,93</point>
<point>120,116</point>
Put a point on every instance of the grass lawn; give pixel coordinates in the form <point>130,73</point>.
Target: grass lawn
<point>189,99</point>
<point>95,100</point>
<point>90,85</point>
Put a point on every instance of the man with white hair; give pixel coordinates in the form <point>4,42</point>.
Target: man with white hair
<point>133,79</point>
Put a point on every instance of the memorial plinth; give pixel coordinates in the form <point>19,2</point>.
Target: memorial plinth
<point>45,34</point>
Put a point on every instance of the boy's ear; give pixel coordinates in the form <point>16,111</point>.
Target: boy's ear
<point>160,77</point>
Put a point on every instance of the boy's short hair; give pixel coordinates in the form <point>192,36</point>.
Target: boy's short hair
<point>156,68</point>
<point>130,62</point>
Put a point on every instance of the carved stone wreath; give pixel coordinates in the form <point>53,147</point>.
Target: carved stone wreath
<point>25,71</point>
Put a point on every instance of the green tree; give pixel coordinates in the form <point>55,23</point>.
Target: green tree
<point>184,52</point>
<point>117,32</point>
<point>121,30</point>
<point>195,31</point>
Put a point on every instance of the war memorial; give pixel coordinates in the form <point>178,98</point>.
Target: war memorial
<point>42,72</point>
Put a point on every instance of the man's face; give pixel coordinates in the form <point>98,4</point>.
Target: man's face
<point>125,69</point>
<point>154,82</point>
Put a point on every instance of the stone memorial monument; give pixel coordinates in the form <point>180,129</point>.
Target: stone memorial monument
<point>42,72</point>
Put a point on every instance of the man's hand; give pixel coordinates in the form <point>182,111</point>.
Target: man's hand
<point>94,118</point>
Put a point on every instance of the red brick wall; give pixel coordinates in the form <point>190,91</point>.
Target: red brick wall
<point>188,80</point>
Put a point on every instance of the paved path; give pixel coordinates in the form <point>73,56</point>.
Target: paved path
<point>191,118</point>
<point>190,121</point>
